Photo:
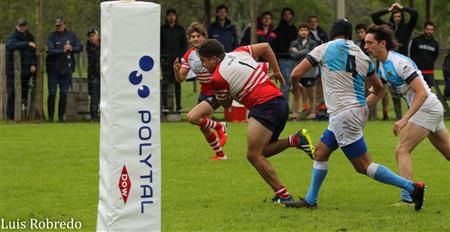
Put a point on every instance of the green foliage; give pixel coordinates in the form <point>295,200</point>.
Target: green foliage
<point>51,171</point>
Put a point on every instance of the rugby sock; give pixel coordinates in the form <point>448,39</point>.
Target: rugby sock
<point>282,192</point>
<point>209,123</point>
<point>320,170</point>
<point>214,143</point>
<point>384,175</point>
<point>405,195</point>
<point>305,106</point>
<point>293,140</point>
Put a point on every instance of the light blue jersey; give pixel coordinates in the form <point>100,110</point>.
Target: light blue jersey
<point>399,71</point>
<point>344,67</point>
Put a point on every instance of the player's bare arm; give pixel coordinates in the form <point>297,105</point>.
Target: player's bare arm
<point>180,73</point>
<point>378,90</point>
<point>265,51</point>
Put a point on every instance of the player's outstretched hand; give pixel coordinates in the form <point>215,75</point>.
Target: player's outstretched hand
<point>399,125</point>
<point>278,77</point>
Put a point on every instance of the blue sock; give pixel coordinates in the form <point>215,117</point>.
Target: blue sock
<point>319,173</point>
<point>405,195</point>
<point>384,175</point>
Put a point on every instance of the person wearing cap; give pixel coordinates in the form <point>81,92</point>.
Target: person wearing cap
<point>173,46</point>
<point>62,45</point>
<point>21,39</point>
<point>344,68</point>
<point>93,52</point>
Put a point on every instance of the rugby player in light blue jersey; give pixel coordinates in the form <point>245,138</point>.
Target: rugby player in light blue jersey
<point>425,116</point>
<point>344,67</point>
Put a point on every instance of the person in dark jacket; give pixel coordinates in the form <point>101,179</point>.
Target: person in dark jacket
<point>424,52</point>
<point>397,23</point>
<point>286,33</point>
<point>23,41</point>
<point>298,50</point>
<point>223,30</point>
<point>62,46</point>
<point>316,32</point>
<point>264,30</point>
<point>173,46</point>
<point>403,32</point>
<point>446,74</point>
<point>93,52</point>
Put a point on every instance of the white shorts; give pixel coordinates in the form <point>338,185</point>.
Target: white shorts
<point>431,118</point>
<point>348,125</point>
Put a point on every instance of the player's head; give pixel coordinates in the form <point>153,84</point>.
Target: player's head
<point>196,34</point>
<point>211,53</point>
<point>361,30</point>
<point>379,40</point>
<point>341,28</point>
<point>303,31</point>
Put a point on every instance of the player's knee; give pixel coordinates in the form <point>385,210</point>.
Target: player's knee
<point>192,118</point>
<point>401,150</point>
<point>252,157</point>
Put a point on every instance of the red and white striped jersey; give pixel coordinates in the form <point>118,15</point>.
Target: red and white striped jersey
<point>238,75</point>
<point>192,61</point>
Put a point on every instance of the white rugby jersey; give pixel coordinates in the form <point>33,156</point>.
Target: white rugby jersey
<point>191,61</point>
<point>399,71</point>
<point>344,67</point>
<point>238,75</point>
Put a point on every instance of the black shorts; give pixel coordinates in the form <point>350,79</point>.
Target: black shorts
<point>210,99</point>
<point>272,114</point>
<point>308,81</point>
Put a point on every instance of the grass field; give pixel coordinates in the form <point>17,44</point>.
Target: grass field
<point>51,171</point>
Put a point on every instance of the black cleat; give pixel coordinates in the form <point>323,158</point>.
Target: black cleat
<point>280,200</point>
<point>418,195</point>
<point>302,203</point>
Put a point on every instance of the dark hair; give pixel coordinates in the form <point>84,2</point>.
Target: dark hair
<point>220,7</point>
<point>266,13</point>
<point>287,9</point>
<point>429,23</point>
<point>383,32</point>
<point>303,25</point>
<point>171,11</point>
<point>361,26</point>
<point>210,48</point>
<point>341,27</point>
<point>312,16</point>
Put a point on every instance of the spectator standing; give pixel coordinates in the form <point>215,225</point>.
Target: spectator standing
<point>446,74</point>
<point>264,30</point>
<point>361,30</point>
<point>286,33</point>
<point>424,52</point>
<point>62,45</point>
<point>298,50</point>
<point>403,32</point>
<point>397,23</point>
<point>173,46</point>
<point>316,32</point>
<point>23,41</point>
<point>320,36</point>
<point>93,51</point>
<point>223,30</point>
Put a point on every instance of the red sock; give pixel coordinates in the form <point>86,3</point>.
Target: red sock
<point>209,123</point>
<point>293,140</point>
<point>282,192</point>
<point>215,145</point>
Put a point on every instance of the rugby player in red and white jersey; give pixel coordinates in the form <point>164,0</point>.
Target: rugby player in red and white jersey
<point>236,75</point>
<point>201,114</point>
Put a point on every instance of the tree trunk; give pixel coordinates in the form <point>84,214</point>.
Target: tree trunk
<point>207,5</point>
<point>428,10</point>
<point>17,87</point>
<point>253,9</point>
<point>38,89</point>
<point>2,82</point>
<point>340,9</point>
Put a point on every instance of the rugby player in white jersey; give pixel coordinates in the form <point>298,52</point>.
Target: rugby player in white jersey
<point>344,67</point>
<point>425,116</point>
<point>201,114</point>
<point>236,75</point>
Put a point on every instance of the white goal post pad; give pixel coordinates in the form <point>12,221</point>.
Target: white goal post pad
<point>130,143</point>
